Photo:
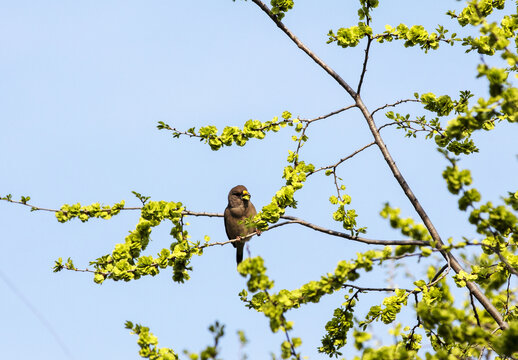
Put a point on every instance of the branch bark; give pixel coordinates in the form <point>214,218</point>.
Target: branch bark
<point>295,220</point>
<point>393,105</point>
<point>329,115</point>
<point>291,220</point>
<point>364,70</point>
<point>473,288</point>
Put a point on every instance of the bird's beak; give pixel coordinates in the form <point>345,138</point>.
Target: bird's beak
<point>246,195</point>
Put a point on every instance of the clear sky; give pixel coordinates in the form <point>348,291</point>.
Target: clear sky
<point>82,87</point>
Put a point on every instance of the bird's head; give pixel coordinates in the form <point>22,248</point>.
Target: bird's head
<point>238,196</point>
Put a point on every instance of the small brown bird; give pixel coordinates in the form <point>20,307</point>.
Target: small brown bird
<point>238,209</point>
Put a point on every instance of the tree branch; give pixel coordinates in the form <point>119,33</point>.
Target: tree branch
<point>473,288</point>
<point>364,70</point>
<point>508,295</point>
<point>295,220</point>
<point>474,309</point>
<point>37,208</point>
<point>362,289</point>
<point>394,104</point>
<point>292,220</point>
<point>506,263</point>
<point>329,115</point>
<point>334,166</point>
<point>411,336</point>
<point>304,48</point>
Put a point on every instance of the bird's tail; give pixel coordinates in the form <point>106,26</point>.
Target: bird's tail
<point>239,252</point>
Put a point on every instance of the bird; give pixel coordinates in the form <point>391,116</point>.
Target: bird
<point>238,209</point>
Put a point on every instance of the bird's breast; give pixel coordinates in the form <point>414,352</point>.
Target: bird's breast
<point>238,211</point>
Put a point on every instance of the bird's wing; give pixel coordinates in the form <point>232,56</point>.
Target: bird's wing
<point>251,213</point>
<point>228,227</point>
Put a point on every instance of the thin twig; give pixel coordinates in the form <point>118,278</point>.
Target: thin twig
<point>37,208</point>
<point>364,70</point>
<point>300,143</point>
<point>374,289</point>
<point>508,293</point>
<point>436,276</point>
<point>304,48</point>
<point>405,125</point>
<point>394,104</point>
<point>177,132</point>
<point>241,238</point>
<point>335,178</point>
<point>328,115</point>
<point>353,238</point>
<point>66,267</point>
<point>350,302</point>
<point>420,254</point>
<point>334,166</point>
<point>481,353</point>
<point>411,336</point>
<point>196,213</point>
<point>292,346</point>
<point>474,309</point>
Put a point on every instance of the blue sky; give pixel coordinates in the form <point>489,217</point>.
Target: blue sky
<point>83,85</point>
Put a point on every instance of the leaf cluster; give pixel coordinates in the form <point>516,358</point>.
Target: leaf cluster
<point>148,344</point>
<point>84,213</point>
<point>417,35</point>
<point>232,134</point>
<point>125,262</point>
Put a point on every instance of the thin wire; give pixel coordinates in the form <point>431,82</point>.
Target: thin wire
<point>36,313</point>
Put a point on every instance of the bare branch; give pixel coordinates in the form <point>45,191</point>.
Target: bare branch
<point>334,166</point>
<point>406,125</point>
<point>304,48</point>
<point>335,179</point>
<point>474,309</point>
<point>508,295</point>
<point>300,143</point>
<point>409,291</point>
<point>440,274</point>
<point>33,208</point>
<point>411,336</point>
<point>66,267</point>
<point>242,237</point>
<point>206,214</point>
<point>394,104</point>
<point>420,254</point>
<point>286,331</point>
<point>362,289</point>
<point>350,302</point>
<point>364,70</point>
<point>177,133</point>
<point>295,220</point>
<point>329,115</point>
